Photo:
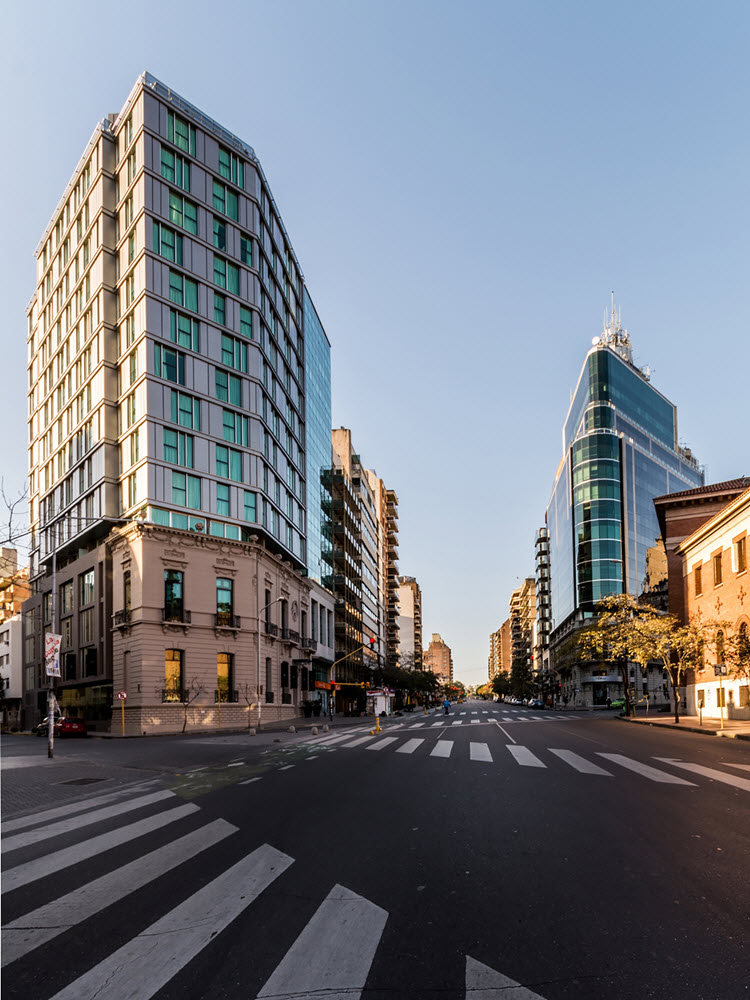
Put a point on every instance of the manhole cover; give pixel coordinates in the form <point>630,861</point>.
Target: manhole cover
<point>82,781</point>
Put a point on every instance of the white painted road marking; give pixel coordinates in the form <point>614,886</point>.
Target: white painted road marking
<point>67,810</point>
<point>410,746</point>
<point>316,965</point>
<point>476,722</point>
<point>417,725</point>
<point>381,744</point>
<point>249,781</point>
<point>435,724</point>
<point>579,763</point>
<point>87,819</point>
<point>525,757</point>
<point>480,751</point>
<point>458,723</point>
<point>356,743</point>
<point>140,968</point>
<point>709,772</point>
<point>51,863</point>
<point>648,772</point>
<point>34,929</point>
<point>442,748</point>
<point>483,983</point>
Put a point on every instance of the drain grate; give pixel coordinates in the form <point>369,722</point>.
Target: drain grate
<point>82,781</point>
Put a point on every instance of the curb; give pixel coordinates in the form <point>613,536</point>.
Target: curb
<point>725,733</point>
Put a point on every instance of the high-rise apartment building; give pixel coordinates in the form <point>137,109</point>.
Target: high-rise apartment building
<point>386,509</point>
<point>170,384</point>
<point>499,660</point>
<point>439,659</point>
<point>523,625</point>
<point>543,602</point>
<point>620,450</point>
<point>410,624</point>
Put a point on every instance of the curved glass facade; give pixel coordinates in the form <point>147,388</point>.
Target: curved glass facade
<point>620,451</point>
<point>318,445</point>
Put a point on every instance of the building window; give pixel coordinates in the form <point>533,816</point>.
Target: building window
<point>86,626</point>
<point>175,169</point>
<point>183,330</point>
<point>173,675</point>
<point>224,676</point>
<point>220,234</point>
<point>250,506</point>
<point>183,213</point>
<point>66,598</point>
<point>225,201</point>
<point>698,573</point>
<point>229,463</point>
<point>231,167</point>
<point>186,410</point>
<point>269,680</point>
<point>717,569</point>
<point>167,243</point>
<point>226,275</point>
<point>126,589</point>
<point>173,595</point>
<point>178,448</point>
<point>169,364</point>
<point>186,490</point>
<point>246,250</point>
<point>235,428</point>
<point>86,587</point>
<point>183,291</point>
<point>222,499</point>
<point>220,309</point>
<point>228,388</point>
<point>740,549</point>
<point>233,353</point>
<point>246,322</point>
<point>224,601</point>
<point>181,133</point>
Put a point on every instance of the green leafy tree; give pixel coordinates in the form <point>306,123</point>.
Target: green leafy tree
<point>501,684</point>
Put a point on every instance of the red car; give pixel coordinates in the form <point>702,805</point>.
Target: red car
<point>64,727</point>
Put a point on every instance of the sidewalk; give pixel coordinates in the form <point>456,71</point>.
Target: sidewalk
<point>736,729</point>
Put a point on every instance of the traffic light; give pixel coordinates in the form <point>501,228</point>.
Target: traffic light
<point>372,641</point>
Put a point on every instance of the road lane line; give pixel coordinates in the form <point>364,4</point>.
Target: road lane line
<point>643,769</point>
<point>525,757</point>
<point>579,763</point>
<point>503,731</point>
<point>709,772</point>
<point>409,747</point>
<point>41,925</point>
<point>480,751</point>
<point>14,878</point>
<point>286,767</point>
<point>249,781</point>
<point>317,965</point>
<point>87,819</point>
<point>145,964</point>
<point>443,748</point>
<point>382,744</point>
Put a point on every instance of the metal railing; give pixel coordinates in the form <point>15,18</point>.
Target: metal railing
<point>271,629</point>
<point>180,616</point>
<point>225,619</point>
<point>122,617</point>
<point>227,696</point>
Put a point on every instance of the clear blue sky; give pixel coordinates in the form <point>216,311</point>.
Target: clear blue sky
<point>464,184</point>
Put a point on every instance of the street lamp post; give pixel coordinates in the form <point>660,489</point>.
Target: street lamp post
<point>55,671</point>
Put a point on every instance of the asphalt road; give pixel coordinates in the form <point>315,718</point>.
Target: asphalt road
<point>576,855</point>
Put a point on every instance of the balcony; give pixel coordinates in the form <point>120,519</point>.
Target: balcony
<point>121,617</point>
<point>232,697</point>
<point>175,616</point>
<point>224,619</point>
<point>271,629</point>
<point>309,644</point>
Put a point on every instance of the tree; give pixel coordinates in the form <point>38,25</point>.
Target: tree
<point>12,528</point>
<point>501,684</point>
<point>737,652</point>
<point>521,681</point>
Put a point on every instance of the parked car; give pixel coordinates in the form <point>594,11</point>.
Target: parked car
<point>617,703</point>
<point>64,726</point>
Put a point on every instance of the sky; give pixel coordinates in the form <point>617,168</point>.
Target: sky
<point>464,185</point>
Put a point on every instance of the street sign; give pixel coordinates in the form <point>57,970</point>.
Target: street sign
<point>122,695</point>
<point>720,670</point>
<point>52,644</point>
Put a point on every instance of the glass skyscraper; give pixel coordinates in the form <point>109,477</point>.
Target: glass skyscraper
<point>318,431</point>
<point>620,450</point>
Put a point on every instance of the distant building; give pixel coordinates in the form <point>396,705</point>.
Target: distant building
<point>523,624</point>
<point>14,585</point>
<point>11,672</point>
<point>386,507</point>
<point>499,658</point>
<point>543,602</point>
<point>620,450</point>
<point>439,659</point>
<point>410,624</point>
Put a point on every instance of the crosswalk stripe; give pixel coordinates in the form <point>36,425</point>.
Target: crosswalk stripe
<point>140,968</point>
<point>476,722</point>
<point>249,781</point>
<point>14,878</point>
<point>652,773</point>
<point>410,746</point>
<point>381,744</point>
<point>356,743</point>
<point>38,927</point>
<point>436,724</point>
<point>457,723</point>
<point>580,763</point>
<point>87,819</point>
<point>442,748</point>
<point>524,756</point>
<point>744,767</point>
<point>710,772</point>
<point>317,965</point>
<point>417,725</point>
<point>81,805</point>
<point>480,751</point>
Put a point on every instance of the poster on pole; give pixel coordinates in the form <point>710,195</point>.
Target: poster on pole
<point>52,654</point>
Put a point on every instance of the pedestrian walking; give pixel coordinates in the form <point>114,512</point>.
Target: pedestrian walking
<point>447,705</point>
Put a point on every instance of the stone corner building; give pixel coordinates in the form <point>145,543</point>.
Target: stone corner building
<point>178,376</point>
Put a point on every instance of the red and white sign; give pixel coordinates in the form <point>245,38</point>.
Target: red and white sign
<point>52,644</point>
<point>122,695</point>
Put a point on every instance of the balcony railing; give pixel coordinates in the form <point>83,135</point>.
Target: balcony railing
<point>179,615</point>
<point>293,635</point>
<point>122,617</point>
<point>227,696</point>
<point>174,695</point>
<point>224,619</point>
<point>308,643</point>
<point>272,629</point>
